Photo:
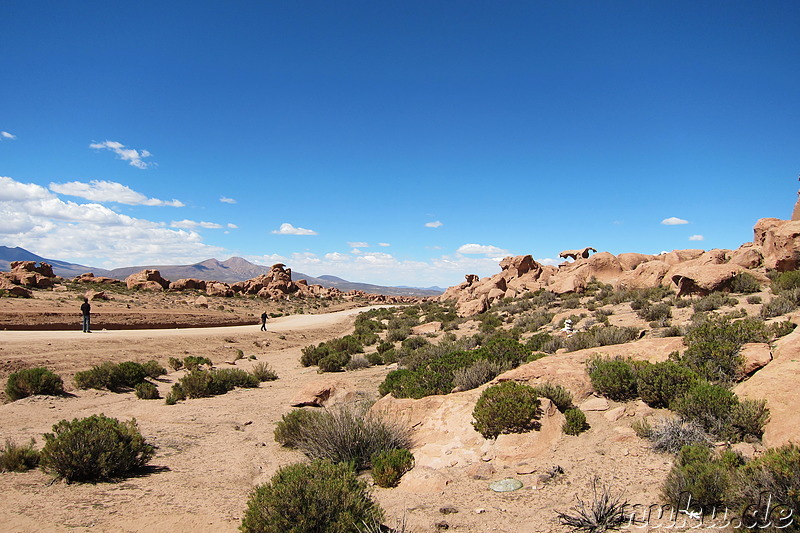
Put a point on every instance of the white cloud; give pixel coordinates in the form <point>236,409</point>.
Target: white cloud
<point>384,244</point>
<point>434,224</point>
<point>481,249</point>
<point>696,238</point>
<point>109,191</point>
<point>674,221</point>
<point>133,157</point>
<point>336,257</point>
<point>549,261</point>
<point>356,251</point>
<point>232,226</point>
<point>191,224</point>
<point>358,244</point>
<point>34,218</point>
<point>6,135</point>
<point>226,200</point>
<point>288,229</point>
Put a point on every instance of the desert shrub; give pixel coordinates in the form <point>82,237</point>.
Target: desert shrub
<point>480,372</point>
<point>713,301</point>
<point>660,383</point>
<point>753,299</point>
<point>415,342</point>
<point>777,306</point>
<point>374,358</point>
<point>176,394</point>
<point>30,381</point>
<point>607,511</point>
<point>672,331</point>
<point>17,458</point>
<point>575,422</point>
<point>129,374</point>
<point>701,475</point>
<point>348,434</point>
<point>779,329</point>
<point>154,370</point>
<point>340,349</point>
<point>367,339</point>
<point>600,336</point>
<point>557,394</point>
<point>385,347</point>
<point>506,408</point>
<point>714,344</point>
<point>147,391</point>
<point>193,362</point>
<point>263,372</point>
<point>203,383</point>
<point>786,281</point>
<point>405,383</point>
<point>320,497</point>
<point>175,363</point>
<point>390,465</point>
<point>504,351</point>
<point>398,334</point>
<point>111,376</point>
<point>709,405</point>
<point>748,418</point>
<point>745,283</point>
<point>291,428</point>
<point>334,362</point>
<point>357,362</point>
<point>669,435</point>
<point>613,378</point>
<point>776,473</point>
<point>533,321</point>
<point>95,448</point>
<point>655,312</point>
<point>538,341</point>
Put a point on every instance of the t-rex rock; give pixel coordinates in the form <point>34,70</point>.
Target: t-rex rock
<point>575,254</point>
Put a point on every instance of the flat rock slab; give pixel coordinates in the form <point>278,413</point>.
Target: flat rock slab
<point>506,485</point>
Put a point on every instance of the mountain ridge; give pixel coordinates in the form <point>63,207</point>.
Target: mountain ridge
<point>231,270</point>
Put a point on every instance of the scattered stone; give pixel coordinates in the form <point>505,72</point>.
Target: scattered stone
<point>448,509</point>
<point>479,511</point>
<point>595,404</point>
<point>506,485</point>
<point>442,526</point>
<point>615,414</point>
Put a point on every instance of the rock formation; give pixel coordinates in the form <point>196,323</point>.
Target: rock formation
<point>575,254</point>
<point>26,274</point>
<point>148,280</point>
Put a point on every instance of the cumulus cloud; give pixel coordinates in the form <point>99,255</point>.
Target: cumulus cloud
<point>6,135</point>
<point>109,191</point>
<point>191,224</point>
<point>696,238</point>
<point>133,157</point>
<point>434,224</point>
<point>384,244</point>
<point>336,257</point>
<point>358,244</point>
<point>226,200</point>
<point>34,218</point>
<point>674,221</point>
<point>232,226</point>
<point>288,229</point>
<point>481,249</point>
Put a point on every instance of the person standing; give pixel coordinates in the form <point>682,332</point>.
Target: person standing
<point>85,310</point>
<point>264,321</point>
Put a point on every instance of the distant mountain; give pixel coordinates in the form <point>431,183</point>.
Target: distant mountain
<point>230,271</point>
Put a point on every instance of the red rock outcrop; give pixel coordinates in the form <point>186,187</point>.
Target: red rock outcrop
<point>28,274</point>
<point>780,243</point>
<point>89,277</point>
<point>188,284</point>
<point>148,280</point>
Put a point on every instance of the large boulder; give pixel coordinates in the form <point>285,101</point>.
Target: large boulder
<point>148,280</point>
<point>676,257</point>
<point>747,255</point>
<point>188,284</point>
<point>575,276</point>
<point>218,288</point>
<point>780,243</point>
<point>630,260</point>
<point>644,276</point>
<point>690,278</point>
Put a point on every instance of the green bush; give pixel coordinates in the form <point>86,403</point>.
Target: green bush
<point>776,473</point>
<point>374,358</point>
<point>129,374</point>
<point>263,372</point>
<point>193,362</point>
<point>575,422</point>
<point>30,381</point>
<point>176,394</point>
<point>204,383</point>
<point>780,329</point>
<point>505,351</point>
<point>506,408</point>
<point>786,281</point>
<point>320,497</point>
<point>147,391</point>
<point>339,349</point>
<point>153,369</point>
<point>344,434</point>
<point>713,346</point>
<point>480,372</point>
<point>557,394</point>
<point>96,448</point>
<point>175,363</point>
<point>778,306</point>
<point>748,419</point>
<point>390,465</point>
<point>655,312</point>
<point>613,378</point>
<point>754,299</point>
<point>697,473</point>
<point>660,384</point>
<point>413,343</point>
<point>745,283</point>
<point>16,458</point>
<point>600,336</point>
<point>709,405</point>
<point>713,301</point>
<point>111,376</point>
<point>334,362</point>
<point>384,347</point>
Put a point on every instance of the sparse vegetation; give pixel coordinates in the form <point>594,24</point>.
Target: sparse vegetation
<point>263,372</point>
<point>702,475</point>
<point>506,408</point>
<point>660,384</point>
<point>147,391</point>
<point>613,378</point>
<point>575,422</point>
<point>389,466</point>
<point>670,434</point>
<point>557,394</point>
<point>111,376</point>
<point>18,458</point>
<point>606,511</point>
<point>204,383</point>
<point>31,381</point>
<point>320,497</point>
<point>96,448</point>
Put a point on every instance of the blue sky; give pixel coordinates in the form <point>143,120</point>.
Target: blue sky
<point>399,143</point>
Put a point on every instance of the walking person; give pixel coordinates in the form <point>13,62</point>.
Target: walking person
<point>85,310</point>
<point>264,321</point>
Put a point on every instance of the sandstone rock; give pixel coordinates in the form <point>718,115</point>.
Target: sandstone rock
<point>595,404</point>
<point>643,276</point>
<point>480,470</point>
<point>519,265</point>
<point>188,284</point>
<point>747,255</point>
<point>201,301</point>
<point>149,280</point>
<point>92,295</point>
<point>676,257</point>
<point>321,394</point>
<point>217,288</point>
<point>756,355</point>
<point>575,276</point>
<point>430,327</point>
<point>779,241</point>
<point>629,261</point>
<point>425,479</point>
<point>615,414</point>
<point>582,253</point>
<point>472,307</point>
<point>690,278</point>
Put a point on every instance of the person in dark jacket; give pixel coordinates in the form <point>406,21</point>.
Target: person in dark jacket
<point>264,321</point>
<point>85,310</point>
